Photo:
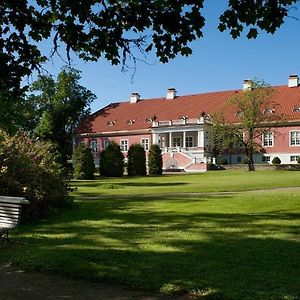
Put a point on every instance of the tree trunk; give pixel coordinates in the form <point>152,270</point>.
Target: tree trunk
<point>249,155</point>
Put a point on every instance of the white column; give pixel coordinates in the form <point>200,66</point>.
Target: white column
<point>154,138</point>
<point>183,142</point>
<point>200,138</point>
<point>170,139</point>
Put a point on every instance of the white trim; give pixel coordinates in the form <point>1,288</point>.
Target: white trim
<point>263,139</point>
<point>193,144</point>
<point>127,146</point>
<point>148,143</point>
<point>290,138</point>
<point>176,137</point>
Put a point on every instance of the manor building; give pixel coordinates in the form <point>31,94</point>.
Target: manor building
<point>180,125</point>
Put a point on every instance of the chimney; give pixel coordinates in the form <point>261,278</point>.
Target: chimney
<point>134,97</point>
<point>171,93</point>
<point>247,85</point>
<point>293,81</point>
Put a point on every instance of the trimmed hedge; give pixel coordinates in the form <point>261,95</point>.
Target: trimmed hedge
<point>276,161</point>
<point>136,165</point>
<point>155,160</point>
<point>111,161</point>
<point>83,163</point>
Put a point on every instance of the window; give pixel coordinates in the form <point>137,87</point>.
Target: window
<point>294,158</point>
<point>295,138</point>
<point>296,109</point>
<point>94,146</point>
<point>269,111</point>
<point>145,144</point>
<point>189,141</point>
<point>110,123</point>
<point>124,145</point>
<point>266,159</point>
<point>130,122</point>
<point>176,142</point>
<point>106,143</point>
<point>267,139</point>
<point>239,159</point>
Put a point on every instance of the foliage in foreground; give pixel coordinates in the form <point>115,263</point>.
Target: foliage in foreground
<point>111,161</point>
<point>83,163</point>
<point>29,169</point>
<point>116,29</point>
<point>155,160</point>
<point>136,160</point>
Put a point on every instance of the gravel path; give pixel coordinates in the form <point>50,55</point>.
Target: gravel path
<point>17,285</point>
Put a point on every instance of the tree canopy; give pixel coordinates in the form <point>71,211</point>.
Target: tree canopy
<point>256,113</point>
<point>112,29</point>
<point>60,106</point>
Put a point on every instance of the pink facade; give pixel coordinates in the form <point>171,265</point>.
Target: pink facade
<point>180,125</point>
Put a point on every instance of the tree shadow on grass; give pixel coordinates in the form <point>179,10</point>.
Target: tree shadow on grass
<point>210,255</point>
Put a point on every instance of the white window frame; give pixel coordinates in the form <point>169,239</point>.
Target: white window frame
<point>124,147</point>
<point>186,142</point>
<point>145,143</point>
<point>297,132</point>
<point>294,158</point>
<point>93,147</point>
<point>175,144</point>
<point>266,158</point>
<point>268,141</point>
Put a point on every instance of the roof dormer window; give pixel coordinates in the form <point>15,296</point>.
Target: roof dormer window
<point>111,123</point>
<point>296,109</point>
<point>183,117</point>
<point>130,122</point>
<point>150,120</point>
<point>269,111</point>
<point>239,114</point>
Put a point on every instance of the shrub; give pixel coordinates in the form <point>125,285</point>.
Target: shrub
<point>111,161</point>
<point>83,163</point>
<point>276,161</point>
<point>29,169</point>
<point>136,160</point>
<point>155,160</point>
<point>223,161</point>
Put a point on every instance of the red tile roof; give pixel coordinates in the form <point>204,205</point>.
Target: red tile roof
<point>126,116</point>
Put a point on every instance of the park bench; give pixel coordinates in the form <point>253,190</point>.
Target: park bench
<point>10,213</point>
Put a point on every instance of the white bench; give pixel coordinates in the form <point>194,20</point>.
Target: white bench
<point>10,213</point>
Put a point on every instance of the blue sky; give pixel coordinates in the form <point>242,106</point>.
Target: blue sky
<point>218,63</point>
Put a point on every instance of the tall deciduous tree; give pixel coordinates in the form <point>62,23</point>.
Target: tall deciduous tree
<point>256,113</point>
<point>112,29</point>
<point>61,106</point>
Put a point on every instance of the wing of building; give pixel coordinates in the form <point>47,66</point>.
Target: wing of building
<point>181,126</point>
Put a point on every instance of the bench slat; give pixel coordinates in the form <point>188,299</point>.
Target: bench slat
<point>20,200</point>
<point>7,204</point>
<point>7,226</point>
<point>4,221</point>
<point>8,218</point>
<point>9,209</point>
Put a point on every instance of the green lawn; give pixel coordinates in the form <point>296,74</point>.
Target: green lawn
<point>213,181</point>
<point>242,245</point>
